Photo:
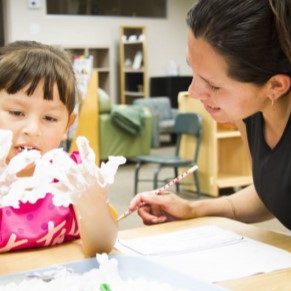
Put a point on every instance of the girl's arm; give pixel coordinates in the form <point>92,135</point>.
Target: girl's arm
<point>98,229</point>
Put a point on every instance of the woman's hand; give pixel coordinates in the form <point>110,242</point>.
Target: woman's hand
<point>153,208</point>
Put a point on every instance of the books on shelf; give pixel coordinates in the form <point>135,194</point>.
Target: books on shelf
<point>83,66</point>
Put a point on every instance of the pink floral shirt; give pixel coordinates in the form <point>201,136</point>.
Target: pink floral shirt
<point>37,225</point>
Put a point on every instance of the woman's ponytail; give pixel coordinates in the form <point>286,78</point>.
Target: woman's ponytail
<point>282,12</point>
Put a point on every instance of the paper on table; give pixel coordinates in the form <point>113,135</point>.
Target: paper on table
<point>188,240</point>
<point>216,254</point>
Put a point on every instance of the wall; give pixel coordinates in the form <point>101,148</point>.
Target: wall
<point>166,38</point>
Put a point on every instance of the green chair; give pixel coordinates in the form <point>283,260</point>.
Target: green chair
<point>114,139</point>
<point>185,123</point>
<point>163,117</point>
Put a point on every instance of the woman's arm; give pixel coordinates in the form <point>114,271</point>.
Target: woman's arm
<point>245,205</point>
<point>98,229</point>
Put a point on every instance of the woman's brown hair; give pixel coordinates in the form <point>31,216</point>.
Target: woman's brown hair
<point>252,35</point>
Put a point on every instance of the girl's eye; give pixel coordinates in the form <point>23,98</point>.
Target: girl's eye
<point>50,118</point>
<point>16,113</point>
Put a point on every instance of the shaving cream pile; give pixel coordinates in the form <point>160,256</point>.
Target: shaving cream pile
<point>73,179</point>
<point>105,278</point>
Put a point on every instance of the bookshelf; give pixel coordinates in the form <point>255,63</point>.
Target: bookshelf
<point>101,63</point>
<point>223,158</point>
<point>133,64</point>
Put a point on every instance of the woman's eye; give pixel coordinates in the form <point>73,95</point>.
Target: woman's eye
<point>50,118</point>
<point>15,113</point>
<point>213,88</point>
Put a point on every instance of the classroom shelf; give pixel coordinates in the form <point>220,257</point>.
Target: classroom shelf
<point>223,158</point>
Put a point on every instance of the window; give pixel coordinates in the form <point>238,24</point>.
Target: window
<point>134,8</point>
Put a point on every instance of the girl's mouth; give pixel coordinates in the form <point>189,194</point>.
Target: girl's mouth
<point>21,148</point>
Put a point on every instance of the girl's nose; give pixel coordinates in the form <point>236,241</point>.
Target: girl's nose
<point>197,90</point>
<point>32,128</point>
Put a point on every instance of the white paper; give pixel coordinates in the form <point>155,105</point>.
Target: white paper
<point>182,241</point>
<point>209,253</point>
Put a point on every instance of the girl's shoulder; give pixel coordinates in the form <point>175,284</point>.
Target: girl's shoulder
<point>38,224</point>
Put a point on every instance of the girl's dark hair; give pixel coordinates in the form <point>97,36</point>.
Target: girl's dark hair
<point>26,63</point>
<point>254,36</point>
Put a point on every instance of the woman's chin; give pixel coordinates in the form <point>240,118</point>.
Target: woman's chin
<point>217,114</point>
<point>221,118</point>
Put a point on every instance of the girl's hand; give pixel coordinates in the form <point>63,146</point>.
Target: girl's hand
<point>167,206</point>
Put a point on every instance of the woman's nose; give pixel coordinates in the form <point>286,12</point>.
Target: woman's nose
<point>197,90</point>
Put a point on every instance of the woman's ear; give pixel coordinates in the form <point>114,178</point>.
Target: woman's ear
<point>277,86</point>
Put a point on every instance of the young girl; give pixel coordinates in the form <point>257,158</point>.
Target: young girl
<point>37,98</point>
<point>240,55</point>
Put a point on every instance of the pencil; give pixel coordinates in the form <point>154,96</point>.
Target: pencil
<point>176,180</point>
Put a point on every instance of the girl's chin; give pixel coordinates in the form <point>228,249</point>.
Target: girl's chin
<point>27,172</point>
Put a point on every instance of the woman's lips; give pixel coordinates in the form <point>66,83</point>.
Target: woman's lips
<point>211,109</point>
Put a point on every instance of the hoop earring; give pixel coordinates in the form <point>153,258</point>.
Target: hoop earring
<point>272,99</point>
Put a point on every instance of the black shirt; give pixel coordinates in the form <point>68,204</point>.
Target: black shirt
<point>271,168</point>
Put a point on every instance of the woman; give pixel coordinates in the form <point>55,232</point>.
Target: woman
<point>240,55</point>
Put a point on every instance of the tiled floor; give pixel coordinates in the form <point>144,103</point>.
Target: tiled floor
<point>121,192</point>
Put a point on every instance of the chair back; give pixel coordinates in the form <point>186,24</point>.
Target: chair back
<point>159,106</point>
<point>190,124</point>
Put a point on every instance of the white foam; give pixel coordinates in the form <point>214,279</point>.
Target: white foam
<point>107,273</point>
<point>73,179</point>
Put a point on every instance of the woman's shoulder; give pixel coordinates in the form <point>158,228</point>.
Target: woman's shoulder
<point>254,118</point>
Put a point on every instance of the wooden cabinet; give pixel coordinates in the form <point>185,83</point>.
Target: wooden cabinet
<point>88,118</point>
<point>223,158</point>
<point>133,64</point>
<point>101,62</point>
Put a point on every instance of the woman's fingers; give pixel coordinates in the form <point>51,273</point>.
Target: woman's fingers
<point>135,202</point>
<point>153,208</point>
<point>146,198</point>
<point>148,217</point>
<point>138,201</point>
